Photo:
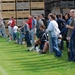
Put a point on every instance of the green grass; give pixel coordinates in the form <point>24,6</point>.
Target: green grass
<point>15,60</point>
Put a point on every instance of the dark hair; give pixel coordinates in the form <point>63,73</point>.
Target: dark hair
<point>60,15</point>
<point>68,15</point>
<point>54,13</point>
<point>43,15</point>
<point>52,16</point>
<point>42,26</point>
<point>38,16</point>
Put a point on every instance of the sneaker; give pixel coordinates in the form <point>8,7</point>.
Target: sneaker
<point>58,55</point>
<point>9,40</point>
<point>42,52</point>
<point>37,50</point>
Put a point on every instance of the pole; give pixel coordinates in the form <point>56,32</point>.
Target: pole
<point>30,7</point>
<point>50,43</point>
<point>16,11</point>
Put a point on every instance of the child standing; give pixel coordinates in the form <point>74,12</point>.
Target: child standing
<point>15,28</point>
<point>18,36</point>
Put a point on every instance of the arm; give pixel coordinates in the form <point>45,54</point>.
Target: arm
<point>62,31</point>
<point>70,27</point>
<point>50,27</point>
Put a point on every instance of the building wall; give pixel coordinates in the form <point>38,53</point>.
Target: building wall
<point>20,9</point>
<point>57,10</point>
<point>0,7</point>
<point>58,6</point>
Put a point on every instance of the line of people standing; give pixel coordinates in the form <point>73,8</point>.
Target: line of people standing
<point>57,25</point>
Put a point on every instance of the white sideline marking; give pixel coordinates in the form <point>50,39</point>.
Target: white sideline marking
<point>3,71</point>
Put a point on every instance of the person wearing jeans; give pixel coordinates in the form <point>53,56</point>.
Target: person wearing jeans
<point>70,30</point>
<point>55,46</point>
<point>72,49</point>
<point>53,28</point>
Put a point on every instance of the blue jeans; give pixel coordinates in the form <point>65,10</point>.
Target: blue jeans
<point>27,37</point>
<point>14,36</point>
<point>18,40</point>
<point>55,46</point>
<point>72,49</point>
<point>1,32</point>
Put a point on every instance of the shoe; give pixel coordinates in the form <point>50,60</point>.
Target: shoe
<point>37,50</point>
<point>28,50</point>
<point>73,60</point>
<point>9,40</point>
<point>42,52</point>
<point>70,60</point>
<point>58,55</point>
<point>28,46</point>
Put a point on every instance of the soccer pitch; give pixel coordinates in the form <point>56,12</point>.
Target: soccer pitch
<point>15,60</point>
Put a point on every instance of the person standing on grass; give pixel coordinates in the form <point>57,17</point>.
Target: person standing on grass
<point>39,22</point>
<point>42,17</point>
<point>53,28</point>
<point>14,32</point>
<point>30,21</point>
<point>34,26</point>
<point>65,30</point>
<point>2,28</point>
<point>70,29</point>
<point>17,36</point>
<point>27,33</point>
<point>72,40</point>
<point>61,25</point>
<point>73,45</point>
<point>11,24</point>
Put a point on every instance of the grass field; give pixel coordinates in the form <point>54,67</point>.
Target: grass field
<point>15,60</point>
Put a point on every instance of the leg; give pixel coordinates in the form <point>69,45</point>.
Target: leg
<point>27,39</point>
<point>70,50</point>
<point>36,45</point>
<point>46,46</point>
<point>73,42</point>
<point>55,47</point>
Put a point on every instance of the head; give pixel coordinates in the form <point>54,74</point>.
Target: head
<point>71,12</point>
<point>67,16</point>
<point>51,17</point>
<point>42,16</point>
<point>74,14</point>
<point>29,17</point>
<point>60,16</point>
<point>24,22</point>
<point>49,14</point>
<point>37,17</point>
<point>55,15</point>
<point>42,27</point>
<point>12,18</point>
<point>32,16</point>
<point>18,30</point>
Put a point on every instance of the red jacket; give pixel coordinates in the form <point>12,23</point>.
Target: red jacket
<point>13,23</point>
<point>30,23</point>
